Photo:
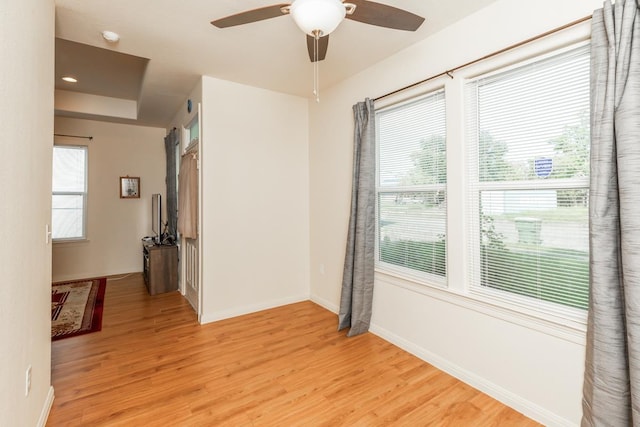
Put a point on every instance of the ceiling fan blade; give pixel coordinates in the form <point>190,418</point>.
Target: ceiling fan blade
<point>250,16</point>
<point>382,15</point>
<point>323,44</point>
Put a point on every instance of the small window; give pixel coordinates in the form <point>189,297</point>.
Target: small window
<point>68,216</point>
<point>528,144</point>
<point>194,130</point>
<point>411,188</point>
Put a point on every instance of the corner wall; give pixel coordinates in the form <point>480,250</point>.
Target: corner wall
<point>527,366</point>
<point>114,225</point>
<point>26,108</point>
<point>255,207</point>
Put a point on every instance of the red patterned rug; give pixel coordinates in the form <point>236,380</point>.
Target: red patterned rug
<point>76,307</point>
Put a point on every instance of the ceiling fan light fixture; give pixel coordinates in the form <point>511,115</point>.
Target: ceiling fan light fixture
<point>318,18</point>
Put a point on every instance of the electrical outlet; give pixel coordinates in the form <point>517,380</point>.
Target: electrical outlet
<point>322,269</point>
<point>27,382</point>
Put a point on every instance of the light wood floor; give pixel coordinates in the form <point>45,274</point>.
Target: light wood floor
<point>153,365</point>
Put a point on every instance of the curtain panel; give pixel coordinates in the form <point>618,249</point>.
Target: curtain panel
<point>170,142</point>
<point>611,391</point>
<point>357,282</point>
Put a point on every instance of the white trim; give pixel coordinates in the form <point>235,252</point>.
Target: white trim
<point>428,279</point>
<point>410,95</point>
<point>239,311</point>
<point>201,225</point>
<point>574,332</point>
<point>70,241</point>
<point>326,304</point>
<point>510,399</point>
<point>46,409</point>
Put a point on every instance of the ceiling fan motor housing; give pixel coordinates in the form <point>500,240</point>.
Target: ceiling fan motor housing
<point>318,17</point>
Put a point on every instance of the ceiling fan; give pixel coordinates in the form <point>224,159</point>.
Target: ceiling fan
<point>318,18</point>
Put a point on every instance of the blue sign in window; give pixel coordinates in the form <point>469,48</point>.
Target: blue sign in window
<point>543,166</point>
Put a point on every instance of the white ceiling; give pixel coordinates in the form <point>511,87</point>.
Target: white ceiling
<point>181,45</point>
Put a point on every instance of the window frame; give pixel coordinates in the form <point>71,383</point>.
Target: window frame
<point>84,195</point>
<point>457,292</point>
<point>392,269</point>
<point>536,307</point>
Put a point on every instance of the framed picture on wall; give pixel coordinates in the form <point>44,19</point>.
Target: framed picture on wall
<point>129,187</point>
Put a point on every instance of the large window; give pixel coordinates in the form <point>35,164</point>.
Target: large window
<point>517,225</point>
<point>412,176</point>
<point>69,193</point>
<point>528,146</point>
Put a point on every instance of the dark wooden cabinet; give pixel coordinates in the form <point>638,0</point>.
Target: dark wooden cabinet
<point>160,264</point>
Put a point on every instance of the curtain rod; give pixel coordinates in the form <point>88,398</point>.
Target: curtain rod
<point>74,136</point>
<point>492,54</point>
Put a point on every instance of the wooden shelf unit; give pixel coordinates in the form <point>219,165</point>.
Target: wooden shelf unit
<point>160,264</point>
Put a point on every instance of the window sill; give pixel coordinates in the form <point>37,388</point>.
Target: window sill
<point>70,242</point>
<point>572,331</point>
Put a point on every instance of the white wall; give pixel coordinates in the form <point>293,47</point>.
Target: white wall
<point>525,363</point>
<point>85,103</point>
<point>255,165</point>
<point>26,108</point>
<point>114,225</point>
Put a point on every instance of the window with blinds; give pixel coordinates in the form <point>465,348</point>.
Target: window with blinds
<point>528,146</point>
<point>68,215</point>
<point>411,189</point>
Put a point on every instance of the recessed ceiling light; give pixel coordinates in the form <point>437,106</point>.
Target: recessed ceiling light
<point>110,36</point>
<point>70,79</point>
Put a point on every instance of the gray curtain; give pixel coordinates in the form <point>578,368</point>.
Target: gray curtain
<point>171,204</point>
<point>611,395</point>
<point>357,280</point>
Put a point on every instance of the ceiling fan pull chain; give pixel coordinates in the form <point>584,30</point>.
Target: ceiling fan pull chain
<point>316,65</point>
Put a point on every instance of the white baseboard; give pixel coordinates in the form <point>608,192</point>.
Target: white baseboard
<point>325,303</point>
<point>526,407</point>
<point>239,311</point>
<point>48,403</point>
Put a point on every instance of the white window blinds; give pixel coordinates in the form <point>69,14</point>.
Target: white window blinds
<point>412,188</point>
<point>69,192</point>
<point>528,157</point>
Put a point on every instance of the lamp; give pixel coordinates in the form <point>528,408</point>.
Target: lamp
<point>318,18</point>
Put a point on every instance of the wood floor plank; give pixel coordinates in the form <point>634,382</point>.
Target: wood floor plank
<point>154,365</point>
